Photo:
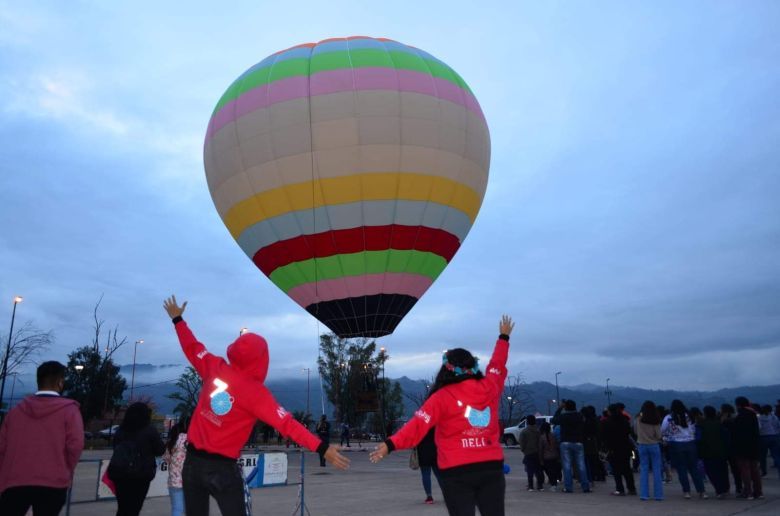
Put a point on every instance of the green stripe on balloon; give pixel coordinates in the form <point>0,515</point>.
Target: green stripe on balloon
<point>358,58</point>
<point>357,264</point>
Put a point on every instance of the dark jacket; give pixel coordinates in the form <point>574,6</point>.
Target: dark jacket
<point>711,439</point>
<point>149,443</point>
<point>426,450</point>
<point>323,431</point>
<point>745,438</point>
<point>590,435</point>
<point>571,423</point>
<point>616,436</point>
<point>529,440</point>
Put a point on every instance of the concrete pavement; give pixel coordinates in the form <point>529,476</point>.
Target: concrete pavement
<point>391,488</point>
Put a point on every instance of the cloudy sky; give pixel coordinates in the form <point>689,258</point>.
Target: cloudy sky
<point>631,223</point>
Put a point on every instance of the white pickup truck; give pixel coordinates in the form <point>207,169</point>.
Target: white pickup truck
<point>512,433</point>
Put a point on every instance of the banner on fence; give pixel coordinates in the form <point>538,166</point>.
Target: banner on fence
<point>260,470</point>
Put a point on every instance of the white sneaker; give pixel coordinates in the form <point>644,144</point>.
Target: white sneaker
<point>687,496</point>
<point>703,496</point>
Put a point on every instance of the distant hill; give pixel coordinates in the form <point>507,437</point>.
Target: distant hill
<point>291,394</point>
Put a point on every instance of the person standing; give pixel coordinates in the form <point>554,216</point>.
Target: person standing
<point>680,432</point>
<point>616,437</point>
<point>769,428</point>
<point>426,457</point>
<point>571,425</point>
<point>41,441</point>
<point>133,466</point>
<point>232,399</point>
<point>323,432</point>
<point>345,434</point>
<point>711,442</point>
<point>727,414</point>
<point>463,408</point>
<point>648,432</point>
<point>550,455</point>
<point>175,453</point>
<point>529,445</point>
<point>591,444</point>
<point>746,441</point>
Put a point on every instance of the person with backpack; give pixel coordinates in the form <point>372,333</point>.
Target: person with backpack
<point>41,441</point>
<point>232,399</point>
<point>133,465</point>
<point>175,453</point>
<point>463,408</point>
<point>746,438</point>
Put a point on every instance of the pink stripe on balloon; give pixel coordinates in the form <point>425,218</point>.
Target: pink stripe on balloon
<point>336,81</point>
<point>345,287</point>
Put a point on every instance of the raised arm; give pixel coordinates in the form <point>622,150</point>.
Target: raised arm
<point>496,370</point>
<point>195,351</point>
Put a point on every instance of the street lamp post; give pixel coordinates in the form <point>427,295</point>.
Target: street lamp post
<point>308,372</point>
<point>608,393</point>
<point>132,380</point>
<point>13,387</point>
<point>17,300</point>
<point>557,392</point>
<point>384,393</point>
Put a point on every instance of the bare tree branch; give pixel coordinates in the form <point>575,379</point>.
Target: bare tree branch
<point>27,344</point>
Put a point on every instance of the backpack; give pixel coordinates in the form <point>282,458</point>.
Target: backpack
<point>127,462</point>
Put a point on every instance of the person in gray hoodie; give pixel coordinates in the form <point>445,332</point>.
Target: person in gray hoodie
<point>529,445</point>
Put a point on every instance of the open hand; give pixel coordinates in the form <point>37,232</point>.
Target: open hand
<point>173,309</point>
<point>506,325</point>
<point>379,453</point>
<point>334,456</point>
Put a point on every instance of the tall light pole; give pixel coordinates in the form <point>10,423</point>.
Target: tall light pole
<point>308,372</point>
<point>557,392</point>
<point>608,393</point>
<point>132,380</point>
<point>17,300</point>
<point>13,387</point>
<point>384,393</point>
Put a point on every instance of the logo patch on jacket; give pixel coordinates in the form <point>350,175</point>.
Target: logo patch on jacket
<point>478,418</point>
<point>221,401</point>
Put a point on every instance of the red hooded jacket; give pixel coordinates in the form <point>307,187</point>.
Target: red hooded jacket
<point>41,441</point>
<point>233,396</point>
<point>465,416</point>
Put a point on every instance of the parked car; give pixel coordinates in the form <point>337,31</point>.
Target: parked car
<point>108,433</point>
<point>512,433</point>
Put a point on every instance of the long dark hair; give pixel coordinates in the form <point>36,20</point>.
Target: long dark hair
<point>650,413</point>
<point>177,429</point>
<point>679,413</point>
<point>545,429</point>
<point>137,417</point>
<point>457,357</point>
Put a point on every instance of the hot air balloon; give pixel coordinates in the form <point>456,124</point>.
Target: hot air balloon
<point>349,171</point>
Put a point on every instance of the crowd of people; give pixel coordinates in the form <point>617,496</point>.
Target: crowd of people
<point>696,443</point>
<point>455,434</point>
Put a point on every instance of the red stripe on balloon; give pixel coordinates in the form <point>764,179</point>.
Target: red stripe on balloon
<point>355,240</point>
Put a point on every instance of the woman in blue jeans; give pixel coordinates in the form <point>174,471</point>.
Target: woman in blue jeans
<point>680,432</point>
<point>426,456</point>
<point>648,431</point>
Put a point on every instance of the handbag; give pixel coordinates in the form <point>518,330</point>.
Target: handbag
<point>414,460</point>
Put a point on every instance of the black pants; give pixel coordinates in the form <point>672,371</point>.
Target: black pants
<point>467,490</point>
<point>45,501</point>
<point>718,473</point>
<point>534,469</point>
<point>205,474</point>
<point>621,468</point>
<point>130,496</point>
<point>553,469</point>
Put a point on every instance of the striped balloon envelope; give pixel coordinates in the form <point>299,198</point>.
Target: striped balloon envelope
<point>349,171</point>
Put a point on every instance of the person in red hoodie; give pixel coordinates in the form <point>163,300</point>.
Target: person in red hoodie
<point>463,409</point>
<point>232,399</point>
<point>41,441</point>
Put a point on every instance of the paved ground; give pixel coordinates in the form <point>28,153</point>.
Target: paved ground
<point>391,488</point>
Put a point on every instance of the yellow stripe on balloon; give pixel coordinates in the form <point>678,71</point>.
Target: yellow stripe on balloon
<point>347,189</point>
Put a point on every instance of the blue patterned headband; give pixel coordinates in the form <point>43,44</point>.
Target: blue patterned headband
<point>460,371</point>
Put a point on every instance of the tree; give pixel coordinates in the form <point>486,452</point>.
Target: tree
<point>303,418</point>
<point>418,397</point>
<point>98,386</point>
<point>517,399</point>
<point>189,385</point>
<point>27,343</point>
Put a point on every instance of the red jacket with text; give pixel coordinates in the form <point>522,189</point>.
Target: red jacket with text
<point>465,416</point>
<point>233,396</point>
